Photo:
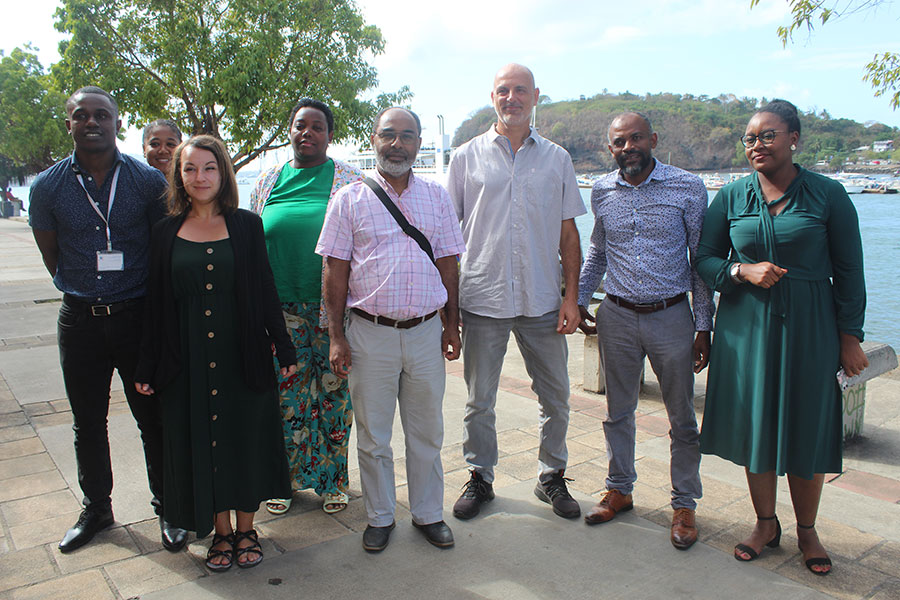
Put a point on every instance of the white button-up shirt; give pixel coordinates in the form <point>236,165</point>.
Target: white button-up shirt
<point>511,208</point>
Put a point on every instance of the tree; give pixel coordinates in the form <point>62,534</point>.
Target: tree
<point>883,72</point>
<point>32,116</point>
<point>230,68</point>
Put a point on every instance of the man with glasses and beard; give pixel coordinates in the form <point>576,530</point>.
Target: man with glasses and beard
<point>393,343</point>
<point>648,217</point>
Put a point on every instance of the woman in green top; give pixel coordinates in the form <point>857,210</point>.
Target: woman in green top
<point>783,249</point>
<point>315,404</point>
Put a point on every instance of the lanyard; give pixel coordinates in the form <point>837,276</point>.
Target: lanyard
<point>112,197</point>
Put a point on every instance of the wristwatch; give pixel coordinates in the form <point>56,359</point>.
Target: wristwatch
<point>735,273</point>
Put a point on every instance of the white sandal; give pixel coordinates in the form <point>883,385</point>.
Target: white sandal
<point>335,502</point>
<point>278,506</point>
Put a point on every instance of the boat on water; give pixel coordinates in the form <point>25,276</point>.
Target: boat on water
<point>879,189</point>
<point>716,181</point>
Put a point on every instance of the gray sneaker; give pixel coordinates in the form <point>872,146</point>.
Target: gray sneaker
<point>476,492</point>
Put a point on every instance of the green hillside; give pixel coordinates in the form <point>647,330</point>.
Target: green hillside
<point>695,132</point>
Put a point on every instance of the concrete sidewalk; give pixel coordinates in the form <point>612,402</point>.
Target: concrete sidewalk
<point>516,549</point>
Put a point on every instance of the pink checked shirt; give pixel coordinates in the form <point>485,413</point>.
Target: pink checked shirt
<point>390,275</point>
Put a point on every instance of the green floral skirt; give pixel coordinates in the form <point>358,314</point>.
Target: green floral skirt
<point>315,407</point>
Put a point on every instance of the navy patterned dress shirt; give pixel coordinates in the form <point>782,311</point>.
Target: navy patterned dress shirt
<point>642,238</point>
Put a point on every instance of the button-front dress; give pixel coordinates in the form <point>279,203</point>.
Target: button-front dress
<point>223,444</point>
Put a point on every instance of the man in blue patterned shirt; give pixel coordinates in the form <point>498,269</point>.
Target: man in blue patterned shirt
<point>91,215</point>
<point>648,217</point>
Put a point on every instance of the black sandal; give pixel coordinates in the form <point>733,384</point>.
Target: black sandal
<point>254,547</point>
<point>814,562</point>
<point>753,554</point>
<point>227,553</point>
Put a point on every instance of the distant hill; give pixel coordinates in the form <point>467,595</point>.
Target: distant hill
<point>695,132</point>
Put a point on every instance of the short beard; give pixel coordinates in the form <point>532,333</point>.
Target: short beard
<point>646,160</point>
<point>394,169</point>
<point>513,121</point>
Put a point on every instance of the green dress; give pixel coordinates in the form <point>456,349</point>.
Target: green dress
<point>223,447</point>
<point>772,400</point>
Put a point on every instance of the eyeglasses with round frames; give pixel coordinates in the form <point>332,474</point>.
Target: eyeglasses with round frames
<point>766,137</point>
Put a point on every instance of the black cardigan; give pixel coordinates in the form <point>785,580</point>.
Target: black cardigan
<point>260,320</point>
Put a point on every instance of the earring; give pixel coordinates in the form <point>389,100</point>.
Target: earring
<point>793,147</point>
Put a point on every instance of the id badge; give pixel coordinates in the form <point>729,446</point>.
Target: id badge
<point>110,260</point>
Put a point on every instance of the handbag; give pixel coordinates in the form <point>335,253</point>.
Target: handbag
<point>408,229</point>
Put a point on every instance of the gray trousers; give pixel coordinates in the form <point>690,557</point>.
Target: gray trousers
<point>484,342</point>
<point>666,337</point>
<point>398,367</point>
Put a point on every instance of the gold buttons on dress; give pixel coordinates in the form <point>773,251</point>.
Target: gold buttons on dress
<point>209,250</point>
<point>212,365</point>
<point>209,267</point>
<point>207,312</point>
<point>209,286</point>
<point>211,335</point>
<point>214,392</point>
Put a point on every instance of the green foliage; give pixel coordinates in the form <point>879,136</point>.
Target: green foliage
<point>883,72</point>
<point>230,68</point>
<point>695,133</point>
<point>837,161</point>
<point>884,75</point>
<point>32,117</point>
<point>477,123</point>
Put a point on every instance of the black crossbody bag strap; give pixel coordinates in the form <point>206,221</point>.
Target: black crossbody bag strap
<point>408,229</point>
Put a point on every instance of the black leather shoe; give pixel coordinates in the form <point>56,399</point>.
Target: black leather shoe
<point>375,539</point>
<point>89,523</point>
<point>438,534</point>
<point>173,538</point>
<point>476,492</point>
<point>553,491</point>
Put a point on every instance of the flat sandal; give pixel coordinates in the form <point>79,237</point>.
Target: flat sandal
<point>254,547</point>
<point>227,553</point>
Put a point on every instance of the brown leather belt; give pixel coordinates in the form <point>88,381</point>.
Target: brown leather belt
<point>391,322</point>
<point>651,307</point>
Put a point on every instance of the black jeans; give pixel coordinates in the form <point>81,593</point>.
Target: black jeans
<point>90,347</point>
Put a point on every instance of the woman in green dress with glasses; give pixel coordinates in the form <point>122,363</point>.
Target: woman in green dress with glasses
<point>782,247</point>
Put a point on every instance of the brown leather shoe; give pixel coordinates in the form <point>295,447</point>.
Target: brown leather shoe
<point>684,528</point>
<point>612,504</point>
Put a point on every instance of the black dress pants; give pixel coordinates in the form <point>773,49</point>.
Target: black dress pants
<point>90,347</point>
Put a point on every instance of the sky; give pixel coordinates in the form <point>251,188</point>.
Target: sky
<point>448,52</point>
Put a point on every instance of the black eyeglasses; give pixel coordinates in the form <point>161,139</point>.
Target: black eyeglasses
<point>766,137</point>
<point>389,137</point>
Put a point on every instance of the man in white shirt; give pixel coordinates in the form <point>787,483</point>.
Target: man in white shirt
<point>516,197</point>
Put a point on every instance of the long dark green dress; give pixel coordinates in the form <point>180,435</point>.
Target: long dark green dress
<point>223,443</point>
<point>772,400</point>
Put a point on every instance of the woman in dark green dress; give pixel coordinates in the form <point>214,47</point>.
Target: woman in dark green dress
<point>214,315</point>
<point>783,249</point>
